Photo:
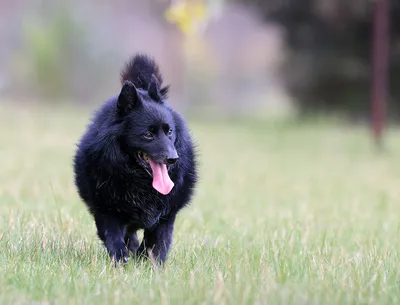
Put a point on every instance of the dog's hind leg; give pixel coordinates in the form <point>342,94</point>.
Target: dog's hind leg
<point>112,233</point>
<point>131,239</point>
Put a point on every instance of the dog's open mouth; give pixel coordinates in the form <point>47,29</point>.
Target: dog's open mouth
<point>158,171</point>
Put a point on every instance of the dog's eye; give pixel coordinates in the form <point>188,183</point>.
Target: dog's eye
<point>148,135</point>
<point>169,132</point>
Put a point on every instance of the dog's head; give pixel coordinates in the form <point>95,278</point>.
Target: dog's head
<point>149,132</point>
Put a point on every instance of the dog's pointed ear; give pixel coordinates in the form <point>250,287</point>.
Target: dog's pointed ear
<point>128,98</point>
<point>164,92</point>
<point>153,89</point>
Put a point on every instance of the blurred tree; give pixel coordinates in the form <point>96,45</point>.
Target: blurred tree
<point>329,63</point>
<point>57,57</point>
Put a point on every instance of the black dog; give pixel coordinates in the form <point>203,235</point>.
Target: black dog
<point>135,167</point>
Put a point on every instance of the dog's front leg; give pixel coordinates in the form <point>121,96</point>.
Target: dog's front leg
<point>112,233</point>
<point>157,241</point>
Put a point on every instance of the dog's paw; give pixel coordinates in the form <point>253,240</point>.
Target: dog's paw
<point>120,257</point>
<point>119,260</point>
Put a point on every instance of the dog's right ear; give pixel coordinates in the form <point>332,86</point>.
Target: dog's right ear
<point>128,99</point>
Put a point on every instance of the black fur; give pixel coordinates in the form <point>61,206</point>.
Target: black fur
<point>112,180</point>
<point>142,70</point>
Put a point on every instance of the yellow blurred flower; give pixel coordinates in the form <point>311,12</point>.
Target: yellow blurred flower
<point>187,15</point>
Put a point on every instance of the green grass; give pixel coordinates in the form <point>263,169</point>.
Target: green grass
<point>285,213</point>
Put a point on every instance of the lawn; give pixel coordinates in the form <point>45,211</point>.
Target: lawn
<point>285,213</point>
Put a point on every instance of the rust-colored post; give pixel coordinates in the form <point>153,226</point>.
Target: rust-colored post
<point>380,49</point>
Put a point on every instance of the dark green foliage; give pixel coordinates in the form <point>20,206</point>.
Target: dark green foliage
<point>329,67</point>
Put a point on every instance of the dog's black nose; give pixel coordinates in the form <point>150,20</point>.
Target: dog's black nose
<point>172,160</point>
<point>172,155</point>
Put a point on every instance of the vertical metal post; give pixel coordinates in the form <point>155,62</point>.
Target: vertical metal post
<point>380,49</point>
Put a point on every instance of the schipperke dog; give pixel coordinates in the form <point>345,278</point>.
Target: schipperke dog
<point>135,166</point>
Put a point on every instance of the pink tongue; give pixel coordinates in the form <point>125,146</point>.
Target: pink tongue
<point>161,180</point>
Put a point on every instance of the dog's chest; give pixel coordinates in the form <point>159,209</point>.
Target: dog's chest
<point>145,209</point>
<point>136,203</point>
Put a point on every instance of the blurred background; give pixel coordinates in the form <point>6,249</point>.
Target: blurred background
<point>221,57</point>
<point>294,204</point>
